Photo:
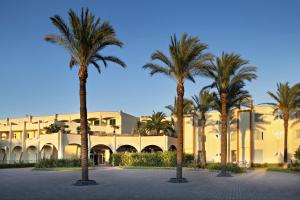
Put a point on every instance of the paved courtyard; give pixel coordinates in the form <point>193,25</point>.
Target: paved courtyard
<point>115,183</point>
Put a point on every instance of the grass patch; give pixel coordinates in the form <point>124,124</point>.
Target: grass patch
<point>145,167</point>
<point>16,165</point>
<point>288,170</point>
<point>61,169</point>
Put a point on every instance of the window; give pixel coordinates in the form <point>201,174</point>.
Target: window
<point>298,134</point>
<point>112,122</point>
<point>258,117</point>
<point>258,135</point>
<point>15,136</point>
<point>97,122</point>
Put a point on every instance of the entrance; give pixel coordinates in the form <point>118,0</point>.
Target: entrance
<point>99,158</point>
<point>100,154</point>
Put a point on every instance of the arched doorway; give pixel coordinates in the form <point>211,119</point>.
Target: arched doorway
<point>16,154</point>
<point>126,148</point>
<point>100,154</point>
<point>49,151</point>
<point>2,156</point>
<point>172,148</point>
<point>152,148</point>
<point>31,154</point>
<point>72,151</point>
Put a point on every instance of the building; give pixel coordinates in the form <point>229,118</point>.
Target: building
<point>254,136</point>
<point>26,140</point>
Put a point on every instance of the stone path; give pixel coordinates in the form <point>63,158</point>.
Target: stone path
<point>116,183</point>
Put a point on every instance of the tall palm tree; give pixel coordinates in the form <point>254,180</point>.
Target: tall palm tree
<point>187,106</point>
<point>201,105</point>
<point>84,38</point>
<point>185,62</point>
<point>158,123</point>
<point>229,74</point>
<point>287,99</point>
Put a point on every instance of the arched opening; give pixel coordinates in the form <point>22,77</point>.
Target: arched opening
<point>31,154</point>
<point>172,148</point>
<point>152,148</point>
<point>16,154</point>
<point>2,156</point>
<point>126,148</point>
<point>100,154</point>
<point>72,151</point>
<point>49,151</point>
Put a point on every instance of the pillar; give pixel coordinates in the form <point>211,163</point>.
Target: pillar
<point>140,144</point>
<point>38,156</point>
<point>9,143</point>
<point>60,145</point>
<point>24,136</point>
<point>114,143</point>
<point>89,146</point>
<point>166,143</point>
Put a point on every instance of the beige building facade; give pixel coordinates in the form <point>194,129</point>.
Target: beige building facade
<point>253,136</point>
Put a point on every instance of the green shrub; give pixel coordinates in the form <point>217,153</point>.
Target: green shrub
<point>229,167</point>
<point>16,165</point>
<point>53,163</point>
<point>154,159</point>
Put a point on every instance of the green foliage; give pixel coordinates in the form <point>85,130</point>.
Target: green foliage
<point>155,159</point>
<point>157,124</point>
<point>187,106</point>
<point>229,167</point>
<point>297,153</point>
<point>53,163</point>
<point>53,128</point>
<point>16,165</point>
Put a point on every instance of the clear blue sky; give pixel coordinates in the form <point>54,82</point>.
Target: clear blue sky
<point>35,77</point>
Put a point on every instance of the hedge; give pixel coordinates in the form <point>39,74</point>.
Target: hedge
<point>16,165</point>
<point>154,159</point>
<point>53,163</point>
<point>229,167</point>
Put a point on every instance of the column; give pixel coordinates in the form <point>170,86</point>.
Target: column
<point>9,143</point>
<point>89,146</point>
<point>140,144</point>
<point>60,145</point>
<point>24,136</point>
<point>114,143</point>
<point>166,143</point>
<point>38,156</point>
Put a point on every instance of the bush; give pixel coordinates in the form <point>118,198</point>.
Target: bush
<point>53,163</point>
<point>154,159</point>
<point>229,167</point>
<point>16,165</point>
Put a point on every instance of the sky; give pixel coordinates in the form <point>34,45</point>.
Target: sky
<point>36,78</point>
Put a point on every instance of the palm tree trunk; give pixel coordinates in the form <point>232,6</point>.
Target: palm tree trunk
<point>180,94</point>
<point>203,150</point>
<point>83,128</point>
<point>286,127</point>
<point>224,132</point>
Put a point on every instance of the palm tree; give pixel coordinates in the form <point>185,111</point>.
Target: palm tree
<point>187,106</point>
<point>185,62</point>
<point>201,105</point>
<point>158,123</point>
<point>287,99</point>
<point>229,75</point>
<point>84,38</point>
